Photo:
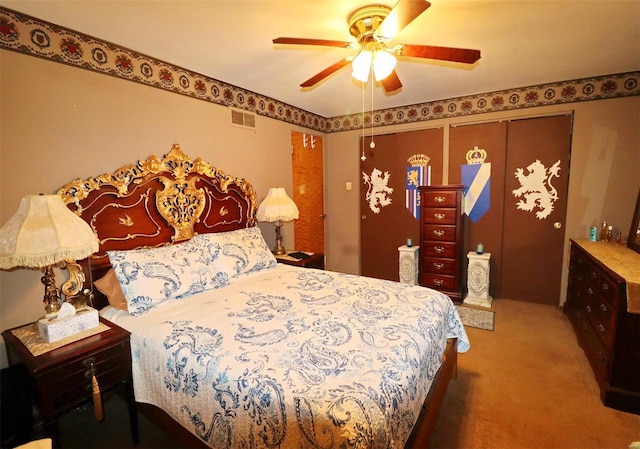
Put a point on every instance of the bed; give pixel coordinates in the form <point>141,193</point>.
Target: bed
<point>231,349</point>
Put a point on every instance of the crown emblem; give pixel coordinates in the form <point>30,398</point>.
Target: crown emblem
<point>419,160</point>
<point>476,156</point>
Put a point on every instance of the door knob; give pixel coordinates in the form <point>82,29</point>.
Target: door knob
<point>557,225</point>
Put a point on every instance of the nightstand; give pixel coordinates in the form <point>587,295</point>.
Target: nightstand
<point>315,260</point>
<point>60,378</point>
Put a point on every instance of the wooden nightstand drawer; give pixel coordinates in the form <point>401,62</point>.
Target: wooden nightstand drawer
<point>71,383</point>
<point>60,377</point>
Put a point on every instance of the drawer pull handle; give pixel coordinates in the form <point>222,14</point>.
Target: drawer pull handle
<point>439,216</point>
<point>438,249</point>
<point>601,328</point>
<point>593,274</point>
<point>438,232</point>
<point>89,361</point>
<point>438,282</point>
<point>605,287</point>
<point>603,307</point>
<point>439,199</point>
<point>438,265</point>
<point>588,308</point>
<point>590,291</point>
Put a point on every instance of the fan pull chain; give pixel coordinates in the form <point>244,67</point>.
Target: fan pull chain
<point>372,145</point>
<point>363,157</point>
<point>97,397</point>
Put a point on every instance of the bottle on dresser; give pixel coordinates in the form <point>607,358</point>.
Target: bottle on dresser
<point>603,230</point>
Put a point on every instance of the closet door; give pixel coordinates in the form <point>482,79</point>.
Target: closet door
<point>386,223</point>
<point>486,229</point>
<point>524,232</point>
<point>535,204</point>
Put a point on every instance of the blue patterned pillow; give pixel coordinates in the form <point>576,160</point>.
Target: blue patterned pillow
<point>153,276</point>
<point>231,254</point>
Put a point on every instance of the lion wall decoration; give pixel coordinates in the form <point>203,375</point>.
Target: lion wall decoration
<point>536,190</point>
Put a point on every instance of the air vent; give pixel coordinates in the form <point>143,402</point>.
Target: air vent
<point>243,119</point>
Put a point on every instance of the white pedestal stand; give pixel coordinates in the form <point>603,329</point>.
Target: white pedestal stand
<point>478,280</point>
<point>408,264</point>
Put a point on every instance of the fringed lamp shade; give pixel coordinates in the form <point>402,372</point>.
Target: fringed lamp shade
<point>42,233</point>
<point>276,208</point>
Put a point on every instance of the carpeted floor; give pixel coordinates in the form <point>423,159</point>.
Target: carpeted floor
<point>526,385</point>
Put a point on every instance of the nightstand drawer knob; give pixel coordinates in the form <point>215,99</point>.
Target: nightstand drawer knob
<point>89,361</point>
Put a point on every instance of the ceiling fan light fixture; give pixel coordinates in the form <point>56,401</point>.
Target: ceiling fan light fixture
<point>361,65</point>
<point>383,64</point>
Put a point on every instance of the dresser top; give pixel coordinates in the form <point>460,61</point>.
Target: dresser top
<point>622,261</point>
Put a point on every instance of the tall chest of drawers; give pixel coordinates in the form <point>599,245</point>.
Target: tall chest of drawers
<point>607,332</point>
<point>440,265</point>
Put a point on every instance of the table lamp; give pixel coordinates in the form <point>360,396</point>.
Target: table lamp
<point>43,233</point>
<point>276,208</point>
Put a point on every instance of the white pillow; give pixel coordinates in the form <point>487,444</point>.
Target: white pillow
<point>234,253</point>
<point>153,276</point>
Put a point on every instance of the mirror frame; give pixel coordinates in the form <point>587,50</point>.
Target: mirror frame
<point>632,242</point>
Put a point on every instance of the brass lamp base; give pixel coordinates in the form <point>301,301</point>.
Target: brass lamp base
<point>279,249</point>
<point>51,293</point>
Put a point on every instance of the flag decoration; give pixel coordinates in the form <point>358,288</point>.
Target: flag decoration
<point>476,176</point>
<point>418,174</point>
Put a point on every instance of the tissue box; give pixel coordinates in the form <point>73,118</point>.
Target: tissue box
<point>59,328</point>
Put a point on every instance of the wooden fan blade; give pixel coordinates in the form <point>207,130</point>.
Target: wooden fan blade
<point>391,83</point>
<point>400,16</point>
<point>442,53</point>
<point>304,41</point>
<point>326,72</point>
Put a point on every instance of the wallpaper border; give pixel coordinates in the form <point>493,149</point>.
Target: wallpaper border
<point>31,36</point>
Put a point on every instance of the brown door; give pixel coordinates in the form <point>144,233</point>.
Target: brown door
<point>308,191</point>
<point>486,229</point>
<point>535,204</point>
<point>526,248</point>
<point>386,222</point>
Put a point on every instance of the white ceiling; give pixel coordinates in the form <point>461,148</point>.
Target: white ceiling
<point>523,43</point>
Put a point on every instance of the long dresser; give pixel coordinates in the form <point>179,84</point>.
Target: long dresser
<point>606,323</point>
<point>440,265</point>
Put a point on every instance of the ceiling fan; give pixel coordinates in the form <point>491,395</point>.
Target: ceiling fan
<point>373,27</point>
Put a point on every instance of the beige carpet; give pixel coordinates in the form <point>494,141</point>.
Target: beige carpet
<point>528,384</point>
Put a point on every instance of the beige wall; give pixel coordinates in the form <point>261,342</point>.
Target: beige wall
<point>604,179</point>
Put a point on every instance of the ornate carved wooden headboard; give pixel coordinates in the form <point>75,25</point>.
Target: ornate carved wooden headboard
<point>157,201</point>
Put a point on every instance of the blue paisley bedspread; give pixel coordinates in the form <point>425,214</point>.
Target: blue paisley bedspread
<point>294,358</point>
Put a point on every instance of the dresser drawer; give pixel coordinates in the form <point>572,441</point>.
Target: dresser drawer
<point>439,266</point>
<point>439,282</point>
<point>440,199</point>
<point>439,249</point>
<point>440,233</point>
<point>599,315</point>
<point>439,215</point>
<point>596,353</point>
